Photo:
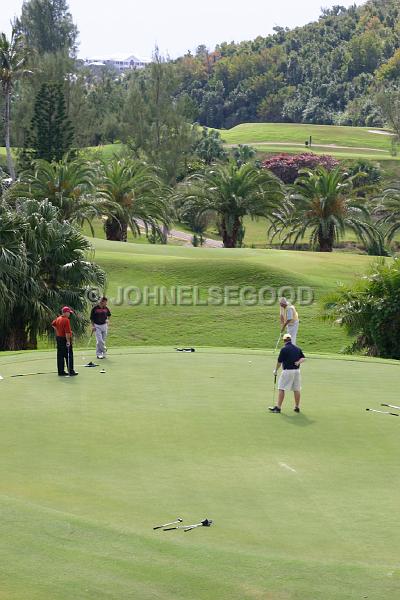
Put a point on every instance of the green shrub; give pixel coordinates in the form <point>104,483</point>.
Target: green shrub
<point>370,311</point>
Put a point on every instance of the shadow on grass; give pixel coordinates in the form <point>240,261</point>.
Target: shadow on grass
<point>300,420</point>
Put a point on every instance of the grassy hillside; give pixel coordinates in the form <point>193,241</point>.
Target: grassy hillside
<point>239,326</point>
<point>294,132</point>
<point>351,142</point>
<point>342,142</point>
<point>305,507</point>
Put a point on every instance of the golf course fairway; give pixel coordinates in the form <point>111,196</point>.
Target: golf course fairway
<point>305,506</point>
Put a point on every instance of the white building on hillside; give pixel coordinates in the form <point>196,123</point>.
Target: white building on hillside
<point>117,62</point>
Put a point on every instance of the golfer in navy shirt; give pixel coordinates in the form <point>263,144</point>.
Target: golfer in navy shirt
<point>290,357</point>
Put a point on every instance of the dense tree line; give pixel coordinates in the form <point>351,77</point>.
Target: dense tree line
<point>342,69</point>
<point>323,72</point>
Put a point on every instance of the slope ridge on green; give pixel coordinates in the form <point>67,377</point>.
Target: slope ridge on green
<point>137,266</point>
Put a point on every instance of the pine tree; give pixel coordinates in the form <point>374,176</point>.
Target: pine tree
<point>48,26</point>
<point>51,129</point>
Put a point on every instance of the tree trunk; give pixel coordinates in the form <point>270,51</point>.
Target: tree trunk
<point>15,338</point>
<point>7,119</point>
<point>32,341</point>
<point>116,230</point>
<point>230,238</point>
<point>165,232</point>
<point>325,241</point>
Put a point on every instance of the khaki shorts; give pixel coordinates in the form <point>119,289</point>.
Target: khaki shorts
<point>290,381</point>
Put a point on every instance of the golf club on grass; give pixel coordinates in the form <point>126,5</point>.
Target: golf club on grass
<point>383,412</point>
<point>185,349</point>
<point>178,520</point>
<point>391,406</point>
<point>30,374</point>
<point>204,523</point>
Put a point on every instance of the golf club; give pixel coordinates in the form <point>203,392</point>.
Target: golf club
<point>88,342</point>
<point>178,520</point>
<point>391,406</point>
<point>278,340</point>
<point>92,338</point>
<point>30,374</point>
<point>68,357</point>
<point>204,523</point>
<point>274,392</point>
<point>185,349</point>
<point>383,412</point>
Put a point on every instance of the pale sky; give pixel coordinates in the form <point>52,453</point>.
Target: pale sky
<point>109,27</point>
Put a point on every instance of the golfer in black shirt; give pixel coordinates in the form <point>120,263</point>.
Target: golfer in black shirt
<point>100,318</point>
<point>291,357</point>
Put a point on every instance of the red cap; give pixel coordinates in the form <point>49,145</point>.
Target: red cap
<point>67,309</point>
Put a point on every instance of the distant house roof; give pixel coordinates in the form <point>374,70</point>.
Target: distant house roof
<point>123,57</point>
<point>117,58</point>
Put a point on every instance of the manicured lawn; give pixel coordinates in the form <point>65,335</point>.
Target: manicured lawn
<point>289,133</point>
<point>107,151</point>
<point>305,507</point>
<point>235,325</point>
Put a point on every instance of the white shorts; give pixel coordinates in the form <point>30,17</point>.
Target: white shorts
<point>290,381</point>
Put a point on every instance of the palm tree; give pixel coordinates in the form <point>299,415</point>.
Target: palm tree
<point>13,57</point>
<point>229,193</point>
<point>12,259</point>
<point>43,265</point>
<point>321,203</point>
<point>68,185</point>
<point>387,209</point>
<point>140,196</point>
<point>243,154</point>
<point>368,310</point>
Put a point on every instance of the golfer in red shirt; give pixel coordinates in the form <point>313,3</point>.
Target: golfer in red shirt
<point>62,328</point>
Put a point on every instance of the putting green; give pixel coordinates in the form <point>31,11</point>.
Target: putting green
<point>305,507</point>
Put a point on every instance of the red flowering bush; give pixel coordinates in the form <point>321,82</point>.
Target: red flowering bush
<point>287,166</point>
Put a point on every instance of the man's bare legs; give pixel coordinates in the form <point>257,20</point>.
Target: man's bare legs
<point>281,397</point>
